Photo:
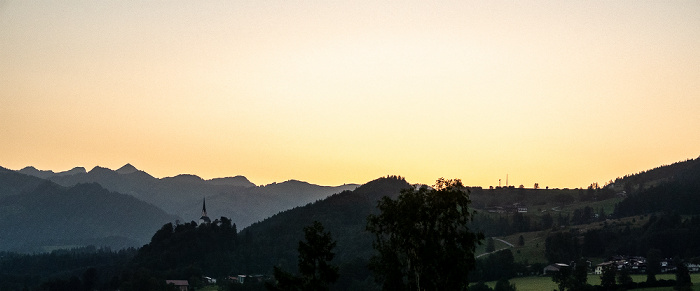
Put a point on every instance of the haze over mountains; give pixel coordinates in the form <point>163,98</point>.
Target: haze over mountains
<point>233,197</point>
<point>42,209</point>
<point>124,207</point>
<point>37,215</point>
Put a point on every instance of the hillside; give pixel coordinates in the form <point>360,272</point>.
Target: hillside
<point>658,175</point>
<point>274,240</point>
<point>659,209</point>
<point>673,188</point>
<point>39,215</point>
<point>233,197</point>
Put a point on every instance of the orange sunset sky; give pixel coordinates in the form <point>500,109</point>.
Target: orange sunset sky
<point>560,93</point>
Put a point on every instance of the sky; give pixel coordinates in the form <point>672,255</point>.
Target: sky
<point>560,93</point>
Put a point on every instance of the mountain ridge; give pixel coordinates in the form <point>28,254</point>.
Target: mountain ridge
<point>343,214</point>
<point>32,171</point>
<point>36,213</point>
<point>127,169</point>
<point>181,195</point>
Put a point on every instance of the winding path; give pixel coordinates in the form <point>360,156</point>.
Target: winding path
<point>505,242</point>
<point>498,239</point>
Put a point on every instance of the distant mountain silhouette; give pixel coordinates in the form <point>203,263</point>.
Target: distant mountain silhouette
<point>48,173</point>
<point>13,183</point>
<point>127,169</point>
<point>36,215</point>
<point>239,181</point>
<point>234,197</point>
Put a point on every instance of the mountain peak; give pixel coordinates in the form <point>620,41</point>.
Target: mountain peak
<point>98,169</point>
<point>46,174</point>
<point>73,171</point>
<point>239,180</point>
<point>127,169</point>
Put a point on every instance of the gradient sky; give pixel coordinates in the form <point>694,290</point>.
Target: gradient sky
<point>562,93</point>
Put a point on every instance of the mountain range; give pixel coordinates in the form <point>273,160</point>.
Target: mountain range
<point>38,215</point>
<point>41,209</point>
<point>234,197</point>
<point>123,207</point>
<point>655,209</point>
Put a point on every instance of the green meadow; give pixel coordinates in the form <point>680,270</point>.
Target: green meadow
<point>545,283</point>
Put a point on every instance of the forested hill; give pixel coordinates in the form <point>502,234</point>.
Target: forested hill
<point>38,215</point>
<point>274,241</point>
<point>674,188</point>
<point>661,174</point>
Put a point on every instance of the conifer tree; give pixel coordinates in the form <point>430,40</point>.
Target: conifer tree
<point>315,271</point>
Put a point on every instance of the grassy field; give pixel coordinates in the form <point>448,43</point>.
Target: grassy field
<point>533,250</point>
<point>545,283</point>
<point>209,288</point>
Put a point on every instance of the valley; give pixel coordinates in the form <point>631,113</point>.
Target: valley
<point>530,228</point>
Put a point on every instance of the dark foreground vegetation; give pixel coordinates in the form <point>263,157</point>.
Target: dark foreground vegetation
<point>85,268</point>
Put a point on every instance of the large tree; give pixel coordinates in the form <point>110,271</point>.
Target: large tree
<point>562,247</point>
<point>654,257</point>
<point>683,282</point>
<point>607,279</point>
<point>423,239</point>
<point>315,254</point>
<point>572,277</point>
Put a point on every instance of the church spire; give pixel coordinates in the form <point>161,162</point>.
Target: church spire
<point>204,218</point>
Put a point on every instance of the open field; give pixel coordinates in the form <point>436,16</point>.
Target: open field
<point>545,283</point>
<point>533,250</point>
<point>209,288</point>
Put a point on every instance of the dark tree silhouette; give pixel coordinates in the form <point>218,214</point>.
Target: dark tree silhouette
<point>580,273</point>
<point>480,286</point>
<point>572,277</point>
<point>563,278</point>
<point>562,247</point>
<point>315,254</point>
<point>683,282</point>
<point>314,258</point>
<point>504,285</point>
<point>607,279</point>
<point>490,245</point>
<point>653,264</point>
<point>423,239</point>
<point>624,278</point>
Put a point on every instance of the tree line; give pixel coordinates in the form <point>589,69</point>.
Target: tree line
<point>670,233</point>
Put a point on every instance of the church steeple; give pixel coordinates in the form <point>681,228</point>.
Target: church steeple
<point>204,218</point>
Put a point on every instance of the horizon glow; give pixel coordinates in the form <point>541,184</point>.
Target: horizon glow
<point>563,94</point>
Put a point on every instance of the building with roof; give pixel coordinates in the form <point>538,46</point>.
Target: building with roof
<point>553,268</point>
<point>182,285</point>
